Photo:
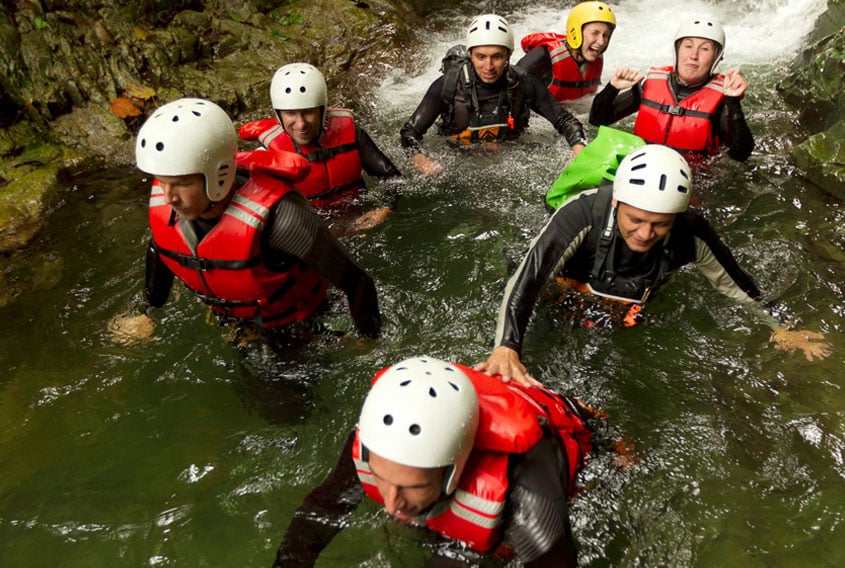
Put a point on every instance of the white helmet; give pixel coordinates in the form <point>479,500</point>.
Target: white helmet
<point>707,28</point>
<point>422,412</point>
<point>190,136</point>
<point>489,29</point>
<point>653,178</point>
<point>298,86</point>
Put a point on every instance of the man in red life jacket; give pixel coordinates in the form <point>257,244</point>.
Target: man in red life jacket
<point>622,244</point>
<point>688,107</point>
<point>329,138</point>
<point>252,249</point>
<point>482,99</point>
<point>571,64</point>
<point>477,461</point>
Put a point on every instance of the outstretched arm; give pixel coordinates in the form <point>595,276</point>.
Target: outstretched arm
<point>322,515</point>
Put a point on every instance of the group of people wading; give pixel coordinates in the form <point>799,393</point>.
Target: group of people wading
<point>485,456</point>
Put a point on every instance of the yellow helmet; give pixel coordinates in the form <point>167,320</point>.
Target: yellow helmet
<point>584,13</point>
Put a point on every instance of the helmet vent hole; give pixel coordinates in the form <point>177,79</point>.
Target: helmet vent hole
<point>196,113</point>
<point>175,118</point>
<point>302,89</point>
<point>662,182</point>
<point>454,386</point>
<point>288,91</point>
<point>405,383</point>
<point>414,429</point>
<point>432,393</point>
<point>637,181</point>
<point>160,146</point>
<point>388,419</point>
<point>143,143</point>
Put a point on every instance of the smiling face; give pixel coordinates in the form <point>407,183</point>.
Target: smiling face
<point>303,125</point>
<point>596,38</point>
<point>695,59</point>
<point>641,229</point>
<point>489,61</point>
<point>406,490</point>
<point>186,194</point>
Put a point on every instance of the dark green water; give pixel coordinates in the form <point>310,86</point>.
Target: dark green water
<point>190,452</point>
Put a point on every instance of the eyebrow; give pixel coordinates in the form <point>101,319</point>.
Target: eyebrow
<point>417,486</point>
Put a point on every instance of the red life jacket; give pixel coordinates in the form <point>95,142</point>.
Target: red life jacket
<point>225,268</point>
<point>568,83</point>
<point>335,160</point>
<point>686,126</point>
<point>508,424</point>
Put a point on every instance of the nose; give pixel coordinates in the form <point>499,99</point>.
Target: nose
<point>645,232</point>
<point>170,196</point>
<point>393,501</point>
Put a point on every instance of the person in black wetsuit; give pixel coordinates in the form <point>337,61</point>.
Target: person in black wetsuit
<point>482,98</point>
<point>337,147</point>
<point>250,247</point>
<point>688,106</point>
<point>622,243</point>
<point>487,465</point>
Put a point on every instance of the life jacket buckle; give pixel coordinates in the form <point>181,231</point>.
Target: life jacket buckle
<point>194,263</point>
<point>675,110</point>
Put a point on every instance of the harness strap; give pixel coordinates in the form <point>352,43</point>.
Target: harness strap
<point>204,264</point>
<point>576,84</point>
<point>676,110</point>
<point>324,154</point>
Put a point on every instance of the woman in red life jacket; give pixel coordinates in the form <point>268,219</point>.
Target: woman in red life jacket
<point>571,64</point>
<point>337,148</point>
<point>688,106</point>
<point>444,447</point>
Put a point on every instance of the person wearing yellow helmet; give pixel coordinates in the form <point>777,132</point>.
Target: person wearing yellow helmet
<point>571,64</point>
<point>687,106</point>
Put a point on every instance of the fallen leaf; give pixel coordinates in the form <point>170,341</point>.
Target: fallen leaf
<point>123,108</point>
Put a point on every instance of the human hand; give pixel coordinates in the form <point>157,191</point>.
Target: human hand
<point>809,342</point>
<point>624,78</point>
<point>425,165</point>
<point>505,361</point>
<point>129,330</point>
<point>576,149</point>
<point>370,219</point>
<point>734,84</point>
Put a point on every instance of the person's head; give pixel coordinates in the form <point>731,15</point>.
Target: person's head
<point>189,145</point>
<point>588,29</point>
<point>699,45</point>
<point>489,43</point>
<point>418,426</point>
<point>651,186</point>
<point>299,95</point>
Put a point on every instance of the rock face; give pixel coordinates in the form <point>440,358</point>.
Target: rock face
<point>816,87</point>
<point>78,78</point>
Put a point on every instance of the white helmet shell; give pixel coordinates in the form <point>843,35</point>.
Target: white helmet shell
<point>653,178</point>
<point>422,412</point>
<point>489,29</point>
<point>298,86</point>
<point>707,28</point>
<point>190,136</point>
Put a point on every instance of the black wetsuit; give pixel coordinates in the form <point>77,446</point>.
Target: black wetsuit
<point>536,523</point>
<point>295,233</point>
<point>378,165</point>
<point>567,246</point>
<point>610,105</point>
<point>535,94</point>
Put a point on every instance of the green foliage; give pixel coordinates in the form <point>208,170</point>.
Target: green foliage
<point>40,22</point>
<point>289,19</point>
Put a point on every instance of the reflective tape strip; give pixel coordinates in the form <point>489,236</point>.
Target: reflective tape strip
<point>157,200</point>
<point>477,510</point>
<point>268,135</point>
<point>559,54</point>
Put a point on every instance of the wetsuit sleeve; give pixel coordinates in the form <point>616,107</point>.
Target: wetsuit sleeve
<point>547,254</point>
<point>716,262</point>
<point>412,132</point>
<point>158,279</point>
<point>736,134</point>
<point>377,164</point>
<point>537,63</point>
<point>297,230</point>
<point>322,515</point>
<point>537,523</point>
<point>610,105</point>
<point>549,108</point>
